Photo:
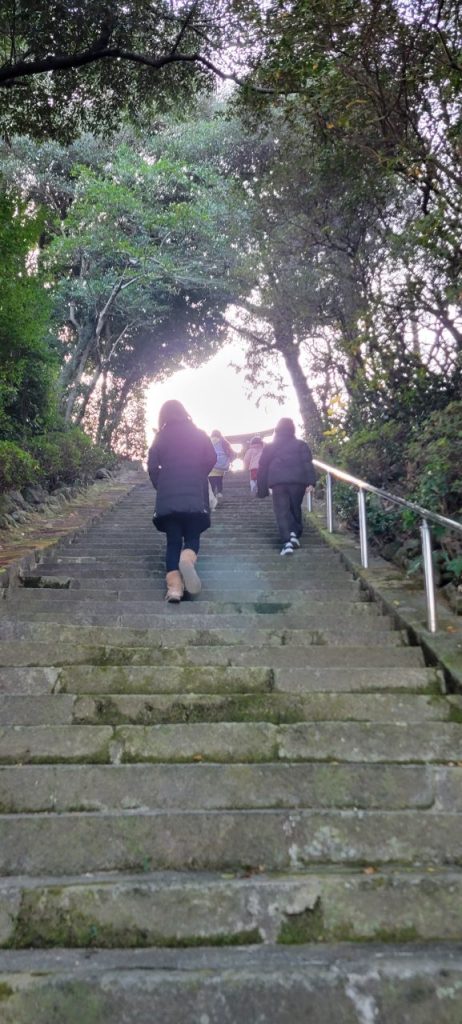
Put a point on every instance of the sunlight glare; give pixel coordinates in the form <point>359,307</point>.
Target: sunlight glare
<point>217,397</point>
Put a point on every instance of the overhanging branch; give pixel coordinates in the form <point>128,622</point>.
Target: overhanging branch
<point>10,73</point>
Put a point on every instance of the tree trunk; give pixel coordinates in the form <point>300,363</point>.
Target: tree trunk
<point>112,420</point>
<point>103,408</point>
<point>309,411</point>
<point>74,374</point>
<point>90,388</point>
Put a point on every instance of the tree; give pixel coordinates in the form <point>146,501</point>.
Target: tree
<point>382,80</point>
<point>69,68</point>
<point>307,263</point>
<point>141,270</point>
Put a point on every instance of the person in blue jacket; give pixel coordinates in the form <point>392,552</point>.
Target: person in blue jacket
<point>286,467</point>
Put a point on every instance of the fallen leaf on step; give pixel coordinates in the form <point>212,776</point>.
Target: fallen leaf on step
<point>198,757</point>
<point>369,870</point>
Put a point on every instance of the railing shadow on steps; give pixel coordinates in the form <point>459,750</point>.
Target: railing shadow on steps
<point>425,515</point>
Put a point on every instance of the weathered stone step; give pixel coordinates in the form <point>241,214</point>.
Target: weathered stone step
<point>261,550</point>
<point>174,679</point>
<point>262,558</point>
<point>225,742</point>
<point>200,786</point>
<point>315,984</point>
<point>35,652</point>
<point>328,611</point>
<point>155,567</point>
<point>237,628</point>
<point>154,590</point>
<point>155,709</point>
<point>307,588</point>
<point>215,679</point>
<point>139,630</point>
<point>174,909</point>
<point>66,844</point>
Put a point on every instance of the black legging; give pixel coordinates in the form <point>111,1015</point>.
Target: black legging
<point>181,527</point>
<point>216,483</point>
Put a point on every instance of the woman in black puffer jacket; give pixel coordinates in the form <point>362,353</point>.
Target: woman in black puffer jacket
<point>286,466</point>
<point>179,462</point>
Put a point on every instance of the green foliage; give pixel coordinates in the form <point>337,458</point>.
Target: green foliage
<point>434,462</point>
<point>375,454</point>
<point>85,77</point>
<point>17,467</point>
<point>27,363</point>
<point>142,268</point>
<point>66,456</point>
<point>423,465</point>
<point>395,385</point>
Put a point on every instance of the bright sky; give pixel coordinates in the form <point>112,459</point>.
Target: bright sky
<point>217,398</point>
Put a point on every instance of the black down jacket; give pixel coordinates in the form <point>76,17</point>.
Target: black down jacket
<point>179,462</point>
<point>286,461</point>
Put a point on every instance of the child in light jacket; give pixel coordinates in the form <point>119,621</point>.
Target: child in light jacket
<point>225,456</point>
<point>251,461</point>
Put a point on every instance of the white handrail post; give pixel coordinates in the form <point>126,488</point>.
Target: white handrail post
<point>363,528</point>
<point>329,503</point>
<point>309,500</point>
<point>427,555</point>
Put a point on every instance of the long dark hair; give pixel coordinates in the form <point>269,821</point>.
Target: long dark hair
<point>285,428</point>
<point>173,412</point>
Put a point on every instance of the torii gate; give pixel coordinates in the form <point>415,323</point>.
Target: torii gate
<point>244,439</point>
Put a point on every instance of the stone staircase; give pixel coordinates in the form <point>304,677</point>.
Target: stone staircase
<point>208,809</point>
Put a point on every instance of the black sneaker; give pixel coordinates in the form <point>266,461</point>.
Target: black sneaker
<point>287,549</point>
<point>294,540</point>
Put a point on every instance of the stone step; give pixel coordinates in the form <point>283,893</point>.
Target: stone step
<point>225,742</point>
<point>140,630</point>
<point>237,628</point>
<point>200,786</point>
<point>234,590</point>
<point>262,550</point>
<point>273,840</point>
<point>333,610</point>
<point>43,653</point>
<point>174,679</point>
<point>173,909</point>
<point>214,577</point>
<point>347,601</point>
<point>216,679</point>
<point>318,984</point>
<point>155,709</point>
<point>222,559</point>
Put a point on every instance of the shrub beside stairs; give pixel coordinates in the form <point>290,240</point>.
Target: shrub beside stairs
<point>246,808</point>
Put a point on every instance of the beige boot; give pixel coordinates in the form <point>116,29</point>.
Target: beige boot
<point>191,580</point>
<point>175,587</point>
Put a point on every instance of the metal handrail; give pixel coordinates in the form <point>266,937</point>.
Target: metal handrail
<point>424,514</point>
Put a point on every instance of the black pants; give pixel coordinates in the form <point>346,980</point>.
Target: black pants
<point>216,483</point>
<point>181,527</point>
<point>287,504</point>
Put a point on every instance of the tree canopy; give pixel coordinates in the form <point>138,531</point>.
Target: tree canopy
<point>66,68</point>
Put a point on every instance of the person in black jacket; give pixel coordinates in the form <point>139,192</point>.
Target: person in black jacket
<point>286,467</point>
<point>179,462</point>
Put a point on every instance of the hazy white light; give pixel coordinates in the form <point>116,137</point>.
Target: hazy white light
<point>216,397</point>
